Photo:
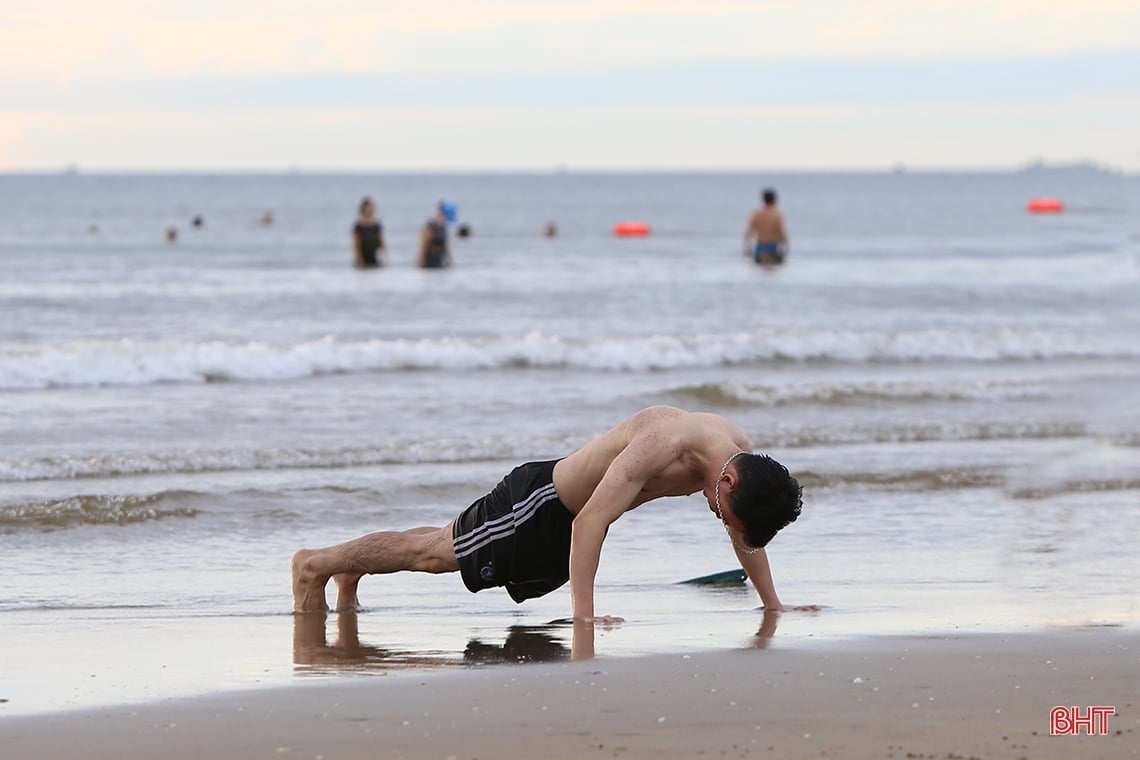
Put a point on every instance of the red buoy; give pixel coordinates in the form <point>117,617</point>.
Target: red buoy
<point>1045,206</point>
<point>631,229</point>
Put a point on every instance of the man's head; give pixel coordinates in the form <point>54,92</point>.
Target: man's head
<point>769,196</point>
<point>765,498</point>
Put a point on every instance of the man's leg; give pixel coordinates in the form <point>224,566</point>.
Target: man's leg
<point>425,550</point>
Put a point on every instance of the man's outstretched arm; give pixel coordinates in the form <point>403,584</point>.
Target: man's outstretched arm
<point>588,533</point>
<point>760,573</point>
<point>616,493</point>
<point>610,500</point>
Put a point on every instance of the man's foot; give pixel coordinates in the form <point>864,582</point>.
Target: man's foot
<point>346,591</point>
<point>308,585</point>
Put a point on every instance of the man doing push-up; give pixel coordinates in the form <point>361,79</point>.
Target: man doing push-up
<point>545,522</point>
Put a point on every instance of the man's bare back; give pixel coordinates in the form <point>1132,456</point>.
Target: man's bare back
<point>686,443</point>
<point>765,239</point>
<point>766,225</point>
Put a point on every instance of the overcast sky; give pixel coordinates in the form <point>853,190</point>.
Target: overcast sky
<point>579,84</point>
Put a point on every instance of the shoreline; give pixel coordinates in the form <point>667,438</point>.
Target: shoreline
<point>973,695</point>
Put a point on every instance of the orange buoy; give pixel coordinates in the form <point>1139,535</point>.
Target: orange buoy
<point>631,229</point>
<point>1045,206</point>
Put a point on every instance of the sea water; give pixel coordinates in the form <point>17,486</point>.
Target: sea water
<point>952,379</point>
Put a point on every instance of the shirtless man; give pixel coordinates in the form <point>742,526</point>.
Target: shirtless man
<point>545,522</point>
<point>764,239</point>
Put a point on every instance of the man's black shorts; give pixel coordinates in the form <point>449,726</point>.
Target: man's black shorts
<point>517,536</point>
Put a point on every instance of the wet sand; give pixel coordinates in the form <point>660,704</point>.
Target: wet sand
<point>980,696</point>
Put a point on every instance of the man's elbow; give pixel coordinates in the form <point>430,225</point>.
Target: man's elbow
<point>589,524</point>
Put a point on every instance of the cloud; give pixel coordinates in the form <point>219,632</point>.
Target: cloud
<point>59,39</point>
<point>1053,80</point>
<point>294,81</point>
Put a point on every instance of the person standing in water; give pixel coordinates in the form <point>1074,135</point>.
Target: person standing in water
<point>368,238</point>
<point>434,253</point>
<point>765,239</point>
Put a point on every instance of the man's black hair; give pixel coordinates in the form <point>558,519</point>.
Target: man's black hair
<point>769,196</point>
<point>766,497</point>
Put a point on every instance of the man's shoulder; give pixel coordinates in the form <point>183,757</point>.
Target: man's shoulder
<point>660,414</point>
<point>657,426</point>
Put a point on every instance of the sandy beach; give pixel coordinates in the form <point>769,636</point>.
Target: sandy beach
<point>980,696</point>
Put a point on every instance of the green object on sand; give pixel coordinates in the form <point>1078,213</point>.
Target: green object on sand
<point>727,578</point>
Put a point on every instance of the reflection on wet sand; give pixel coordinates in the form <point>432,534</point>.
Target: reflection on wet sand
<point>767,629</point>
<point>312,652</point>
<point>524,643</point>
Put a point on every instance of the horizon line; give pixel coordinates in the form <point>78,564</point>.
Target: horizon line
<point>896,168</point>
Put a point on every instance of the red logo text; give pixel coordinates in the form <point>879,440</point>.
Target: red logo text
<point>1068,721</point>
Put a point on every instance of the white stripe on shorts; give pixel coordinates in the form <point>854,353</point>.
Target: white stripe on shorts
<point>492,530</point>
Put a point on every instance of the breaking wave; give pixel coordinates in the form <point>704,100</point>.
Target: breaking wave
<point>137,363</point>
<point>195,461</point>
<point>94,510</point>
<point>119,464</point>
<point>860,392</point>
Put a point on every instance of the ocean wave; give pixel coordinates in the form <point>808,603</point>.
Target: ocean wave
<point>135,363</point>
<point>955,478</point>
<point>1079,485</point>
<point>909,480</point>
<point>120,464</point>
<point>94,509</point>
<point>930,432</point>
<point>197,461</point>
<point>859,392</point>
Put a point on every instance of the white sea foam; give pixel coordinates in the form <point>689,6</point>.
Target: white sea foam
<point>134,363</point>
